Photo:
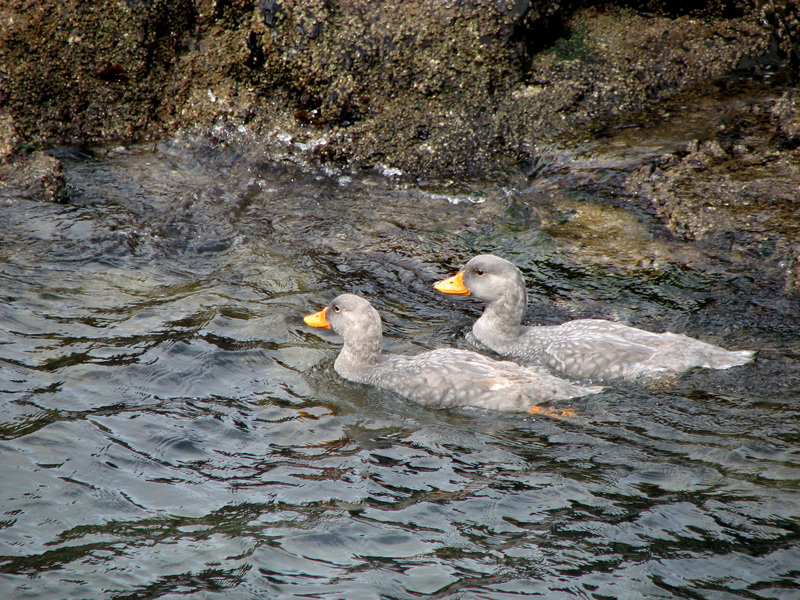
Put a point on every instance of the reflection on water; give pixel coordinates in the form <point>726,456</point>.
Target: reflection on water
<point>171,428</point>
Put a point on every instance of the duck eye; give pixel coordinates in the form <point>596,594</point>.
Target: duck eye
<point>335,309</point>
<point>479,272</point>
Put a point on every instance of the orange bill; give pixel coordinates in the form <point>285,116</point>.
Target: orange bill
<point>453,285</point>
<point>318,319</point>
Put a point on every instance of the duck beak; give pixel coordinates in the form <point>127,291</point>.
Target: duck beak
<point>453,285</point>
<point>318,319</point>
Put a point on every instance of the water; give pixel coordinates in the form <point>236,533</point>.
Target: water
<point>170,427</point>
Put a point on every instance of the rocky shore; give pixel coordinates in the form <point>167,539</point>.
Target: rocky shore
<point>427,88</point>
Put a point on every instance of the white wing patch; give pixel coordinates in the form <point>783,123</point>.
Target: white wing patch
<point>499,384</point>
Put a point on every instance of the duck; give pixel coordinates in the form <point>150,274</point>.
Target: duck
<point>441,378</point>
<point>584,349</point>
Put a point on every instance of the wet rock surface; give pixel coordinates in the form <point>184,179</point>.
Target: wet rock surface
<point>432,88</point>
<point>25,172</point>
<point>738,191</point>
<point>8,138</point>
<point>424,88</point>
<point>35,176</point>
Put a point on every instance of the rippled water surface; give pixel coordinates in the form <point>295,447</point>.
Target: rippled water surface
<point>170,427</point>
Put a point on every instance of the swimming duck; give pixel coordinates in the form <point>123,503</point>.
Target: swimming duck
<point>583,349</point>
<point>445,377</point>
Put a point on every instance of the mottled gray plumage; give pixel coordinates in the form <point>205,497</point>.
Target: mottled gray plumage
<point>442,378</point>
<point>585,348</point>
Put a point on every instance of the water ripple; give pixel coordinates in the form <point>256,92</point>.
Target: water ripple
<point>169,426</point>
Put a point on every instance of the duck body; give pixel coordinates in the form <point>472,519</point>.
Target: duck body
<point>445,377</point>
<point>585,348</point>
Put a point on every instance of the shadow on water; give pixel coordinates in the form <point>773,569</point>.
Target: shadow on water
<point>170,427</point>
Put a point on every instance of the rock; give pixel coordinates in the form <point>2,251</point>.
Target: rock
<point>9,139</point>
<point>787,114</point>
<point>27,174</point>
<point>33,176</point>
<point>426,88</point>
<point>736,195</point>
<point>429,87</point>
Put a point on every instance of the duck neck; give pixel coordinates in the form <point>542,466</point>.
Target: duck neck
<point>501,319</point>
<point>359,353</point>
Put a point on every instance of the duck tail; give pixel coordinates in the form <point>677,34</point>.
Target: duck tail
<point>731,358</point>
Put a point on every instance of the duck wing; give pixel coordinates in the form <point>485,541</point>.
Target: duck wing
<point>598,349</point>
<point>452,377</point>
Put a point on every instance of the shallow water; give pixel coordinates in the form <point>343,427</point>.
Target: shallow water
<point>170,427</point>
